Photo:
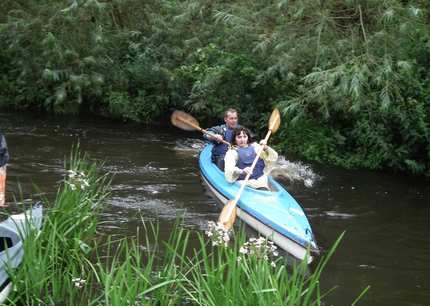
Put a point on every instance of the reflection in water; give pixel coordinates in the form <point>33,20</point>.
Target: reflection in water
<point>156,177</point>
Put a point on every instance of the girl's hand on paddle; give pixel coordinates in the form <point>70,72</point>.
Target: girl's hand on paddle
<point>264,144</point>
<point>247,170</point>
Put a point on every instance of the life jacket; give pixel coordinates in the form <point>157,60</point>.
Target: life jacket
<point>246,157</point>
<point>220,149</point>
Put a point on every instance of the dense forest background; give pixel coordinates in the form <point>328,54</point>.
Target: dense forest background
<point>351,77</point>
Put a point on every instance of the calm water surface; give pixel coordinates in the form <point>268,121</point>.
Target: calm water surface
<point>156,177</point>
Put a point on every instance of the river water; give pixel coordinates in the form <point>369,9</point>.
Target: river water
<point>386,217</point>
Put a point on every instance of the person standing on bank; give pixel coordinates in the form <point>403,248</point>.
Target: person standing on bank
<point>238,161</point>
<point>4,158</point>
<point>222,132</point>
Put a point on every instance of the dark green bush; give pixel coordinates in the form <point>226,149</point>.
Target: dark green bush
<point>351,77</point>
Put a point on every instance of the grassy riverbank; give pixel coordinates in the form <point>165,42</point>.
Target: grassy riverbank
<point>66,264</point>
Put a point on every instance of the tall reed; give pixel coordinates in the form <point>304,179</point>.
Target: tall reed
<point>56,256</point>
<point>236,276</point>
<point>64,265</point>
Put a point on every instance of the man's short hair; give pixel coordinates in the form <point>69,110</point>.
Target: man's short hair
<point>230,110</point>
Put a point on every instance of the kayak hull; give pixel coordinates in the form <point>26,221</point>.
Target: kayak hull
<point>274,214</point>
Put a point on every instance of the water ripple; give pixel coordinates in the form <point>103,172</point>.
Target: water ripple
<point>338,215</point>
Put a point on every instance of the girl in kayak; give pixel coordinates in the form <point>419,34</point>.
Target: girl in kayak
<point>238,161</point>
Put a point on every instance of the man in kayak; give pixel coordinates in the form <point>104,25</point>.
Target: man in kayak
<point>4,158</point>
<point>220,133</point>
<point>238,161</point>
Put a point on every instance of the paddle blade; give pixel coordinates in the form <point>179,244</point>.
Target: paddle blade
<point>228,215</point>
<point>184,121</point>
<point>275,120</point>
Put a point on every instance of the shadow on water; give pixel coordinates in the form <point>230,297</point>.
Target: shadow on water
<point>156,177</point>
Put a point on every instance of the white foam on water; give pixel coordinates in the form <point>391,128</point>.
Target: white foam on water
<point>157,188</point>
<point>294,171</point>
<point>190,145</point>
<point>338,215</point>
<point>149,168</point>
<point>164,209</point>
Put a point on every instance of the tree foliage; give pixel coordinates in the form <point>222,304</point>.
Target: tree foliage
<point>351,77</point>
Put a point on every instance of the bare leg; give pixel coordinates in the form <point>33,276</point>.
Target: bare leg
<point>2,186</point>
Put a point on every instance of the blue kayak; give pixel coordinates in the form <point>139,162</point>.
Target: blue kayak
<point>274,214</point>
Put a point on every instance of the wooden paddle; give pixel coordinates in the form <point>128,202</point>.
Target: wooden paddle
<point>187,122</point>
<point>228,213</point>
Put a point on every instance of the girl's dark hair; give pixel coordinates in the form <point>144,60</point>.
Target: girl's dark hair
<point>239,130</point>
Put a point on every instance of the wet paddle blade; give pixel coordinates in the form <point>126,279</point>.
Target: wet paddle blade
<point>228,215</point>
<point>275,120</point>
<point>184,121</point>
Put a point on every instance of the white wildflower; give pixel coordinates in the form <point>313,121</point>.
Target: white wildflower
<point>243,250</point>
<point>77,180</point>
<point>78,282</point>
<point>260,248</point>
<point>218,234</point>
<point>72,173</point>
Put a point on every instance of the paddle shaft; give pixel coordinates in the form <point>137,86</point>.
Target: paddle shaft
<point>200,129</point>
<point>228,214</point>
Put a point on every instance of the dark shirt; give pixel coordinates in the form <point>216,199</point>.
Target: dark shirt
<point>220,130</point>
<point>4,153</point>
<point>219,149</point>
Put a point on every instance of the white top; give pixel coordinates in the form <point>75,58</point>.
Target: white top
<point>232,172</point>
